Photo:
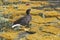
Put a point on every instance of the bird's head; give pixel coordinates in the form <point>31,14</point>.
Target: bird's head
<point>28,11</point>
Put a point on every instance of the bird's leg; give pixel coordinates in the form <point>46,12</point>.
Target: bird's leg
<point>28,25</point>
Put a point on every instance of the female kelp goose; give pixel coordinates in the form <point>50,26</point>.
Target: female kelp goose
<point>23,20</point>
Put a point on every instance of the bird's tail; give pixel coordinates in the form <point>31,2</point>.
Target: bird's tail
<point>16,25</point>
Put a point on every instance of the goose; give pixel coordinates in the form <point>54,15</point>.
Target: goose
<point>23,21</point>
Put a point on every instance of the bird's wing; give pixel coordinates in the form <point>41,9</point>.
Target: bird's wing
<point>19,20</point>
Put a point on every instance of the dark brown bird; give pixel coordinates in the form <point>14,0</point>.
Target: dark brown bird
<point>23,20</point>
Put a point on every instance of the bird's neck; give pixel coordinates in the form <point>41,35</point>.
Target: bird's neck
<point>28,12</point>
